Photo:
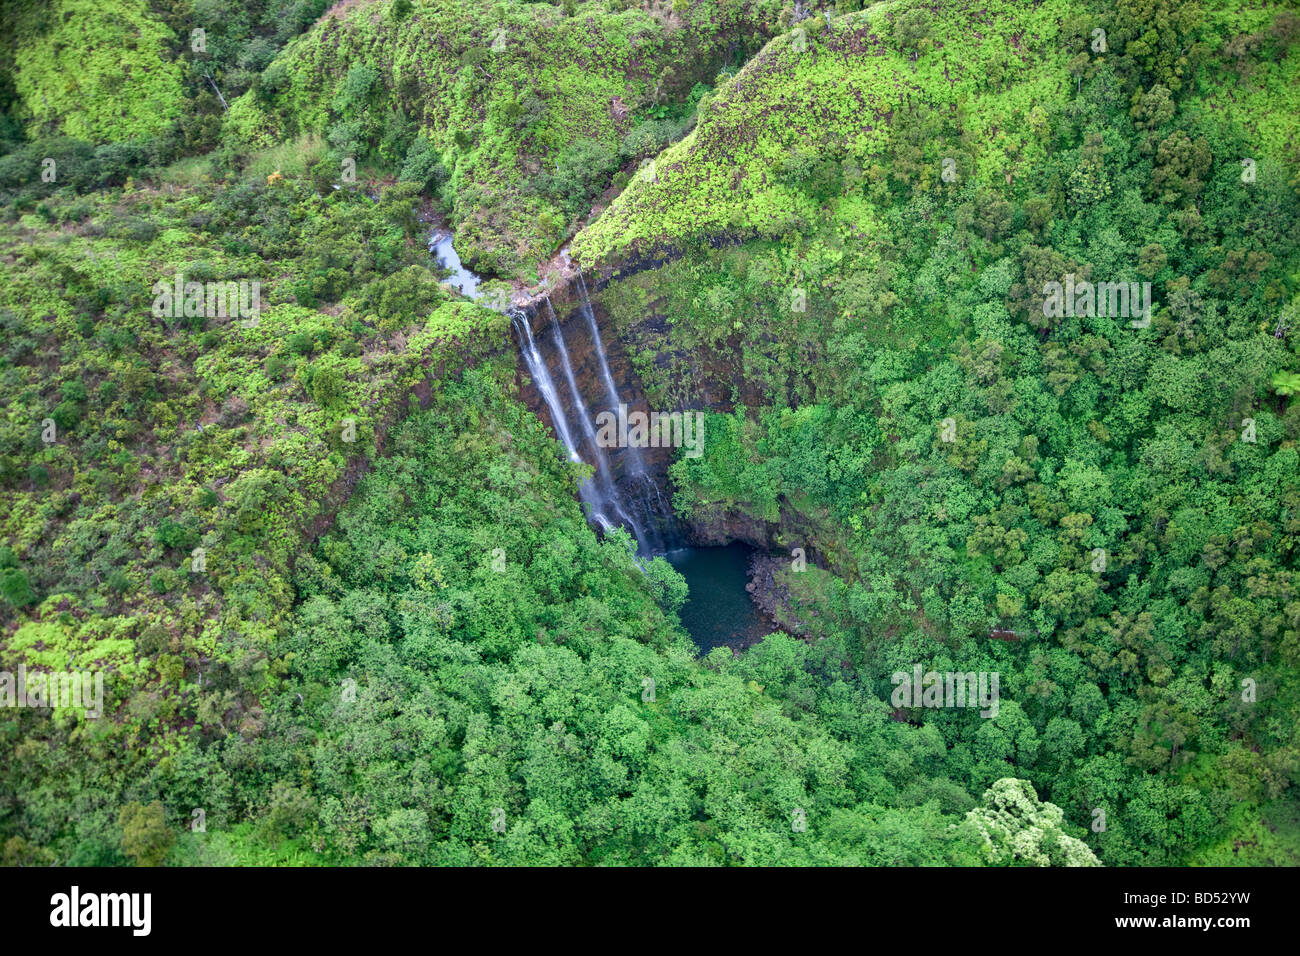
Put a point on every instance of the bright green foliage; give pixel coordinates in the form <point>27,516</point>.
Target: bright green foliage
<point>526,111</point>
<point>95,72</point>
<point>334,570</point>
<point>1018,830</point>
<point>1098,497</point>
<point>1286,383</point>
<point>816,112</point>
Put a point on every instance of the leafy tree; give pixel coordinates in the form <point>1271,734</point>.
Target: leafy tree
<point>1018,830</point>
<point>145,835</point>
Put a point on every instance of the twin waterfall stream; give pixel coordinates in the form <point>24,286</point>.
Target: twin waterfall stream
<point>631,499</point>
<point>622,490</point>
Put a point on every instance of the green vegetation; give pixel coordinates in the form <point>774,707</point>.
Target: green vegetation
<point>72,59</point>
<point>1122,499</point>
<point>519,114</point>
<point>333,567</point>
<point>177,434</point>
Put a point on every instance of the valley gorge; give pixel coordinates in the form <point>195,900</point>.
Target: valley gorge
<point>377,573</point>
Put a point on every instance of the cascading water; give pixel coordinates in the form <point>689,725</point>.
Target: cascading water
<point>604,490</point>
<point>602,500</point>
<point>598,493</point>
<point>584,303</point>
<point>542,376</point>
<point>644,491</point>
<point>722,614</point>
<point>637,505</point>
<point>546,385</point>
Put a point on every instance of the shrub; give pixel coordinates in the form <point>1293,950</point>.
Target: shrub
<point>66,415</point>
<point>15,588</point>
<point>301,343</point>
<point>326,385</point>
<point>667,585</point>
<point>163,581</point>
<point>145,836</point>
<point>174,534</point>
<point>423,166</point>
<point>581,171</point>
<point>73,390</point>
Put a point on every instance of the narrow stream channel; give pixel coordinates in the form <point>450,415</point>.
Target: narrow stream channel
<point>461,279</point>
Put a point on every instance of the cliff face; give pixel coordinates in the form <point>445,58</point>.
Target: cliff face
<point>641,477</point>
<point>584,360</point>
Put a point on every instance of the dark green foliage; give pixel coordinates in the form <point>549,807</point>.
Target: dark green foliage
<point>452,668</point>
<point>581,169</point>
<point>423,166</point>
<point>15,588</point>
<point>175,534</point>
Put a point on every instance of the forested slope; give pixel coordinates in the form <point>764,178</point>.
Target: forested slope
<point>1121,499</point>
<point>403,644</point>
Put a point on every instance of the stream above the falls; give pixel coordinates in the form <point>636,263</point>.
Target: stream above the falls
<point>464,281</point>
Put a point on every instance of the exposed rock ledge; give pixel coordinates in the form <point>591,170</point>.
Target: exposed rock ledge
<point>771,596</point>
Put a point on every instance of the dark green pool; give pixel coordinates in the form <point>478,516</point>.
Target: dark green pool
<point>719,610</point>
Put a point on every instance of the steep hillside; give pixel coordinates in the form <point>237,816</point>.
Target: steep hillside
<point>1119,500</point>
<point>521,114</point>
<point>335,571</point>
<point>161,472</point>
<point>884,96</point>
<point>93,76</point>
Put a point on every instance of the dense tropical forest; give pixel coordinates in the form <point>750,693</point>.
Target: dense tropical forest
<point>990,314</point>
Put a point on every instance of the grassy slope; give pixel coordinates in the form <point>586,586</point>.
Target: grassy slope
<point>438,67</point>
<point>95,76</point>
<point>838,87</point>
<point>996,69</point>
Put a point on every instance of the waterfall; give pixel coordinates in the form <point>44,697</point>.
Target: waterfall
<point>598,493</point>
<point>605,488</point>
<point>546,385</point>
<point>542,376</point>
<point>632,500</point>
<point>643,486</point>
<point>584,302</point>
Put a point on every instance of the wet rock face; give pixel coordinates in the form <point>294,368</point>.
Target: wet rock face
<point>585,362</point>
<point>715,528</point>
<point>640,475</point>
<point>770,595</point>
